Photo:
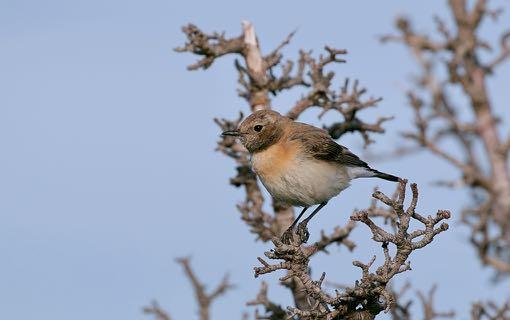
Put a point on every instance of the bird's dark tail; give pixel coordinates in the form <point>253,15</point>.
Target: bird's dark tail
<point>385,176</point>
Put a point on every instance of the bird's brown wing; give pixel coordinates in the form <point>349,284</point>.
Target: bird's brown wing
<point>319,144</point>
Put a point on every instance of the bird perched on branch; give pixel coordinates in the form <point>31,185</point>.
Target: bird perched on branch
<point>299,164</point>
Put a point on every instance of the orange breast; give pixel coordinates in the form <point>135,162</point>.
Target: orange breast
<point>275,160</point>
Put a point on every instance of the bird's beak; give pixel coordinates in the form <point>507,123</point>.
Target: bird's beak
<point>233,133</point>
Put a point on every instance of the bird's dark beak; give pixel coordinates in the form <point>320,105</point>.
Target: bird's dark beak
<point>233,133</point>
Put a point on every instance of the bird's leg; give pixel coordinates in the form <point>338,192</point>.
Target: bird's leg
<point>288,235</point>
<point>302,230</point>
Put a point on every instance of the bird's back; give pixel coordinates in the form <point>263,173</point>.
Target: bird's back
<point>318,143</point>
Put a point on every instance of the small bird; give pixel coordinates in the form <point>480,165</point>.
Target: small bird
<point>299,164</point>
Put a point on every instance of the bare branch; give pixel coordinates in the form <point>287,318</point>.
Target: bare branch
<point>401,310</point>
<point>203,298</point>
<point>260,77</point>
<point>339,236</point>
<point>211,46</point>
<point>503,55</point>
<point>273,311</point>
<point>155,310</point>
<point>490,311</point>
<point>438,119</point>
<point>369,295</point>
<point>427,303</point>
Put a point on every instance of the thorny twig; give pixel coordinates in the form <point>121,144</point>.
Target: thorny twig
<point>260,222</point>
<point>340,236</point>
<point>155,310</point>
<point>490,311</point>
<point>273,311</point>
<point>260,77</point>
<point>203,298</point>
<point>427,303</point>
<point>369,296</point>
<point>439,118</point>
<point>401,309</point>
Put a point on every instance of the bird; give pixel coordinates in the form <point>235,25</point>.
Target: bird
<point>299,164</point>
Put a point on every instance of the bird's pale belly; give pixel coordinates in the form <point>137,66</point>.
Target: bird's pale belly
<point>301,182</point>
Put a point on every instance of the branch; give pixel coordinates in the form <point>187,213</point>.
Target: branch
<point>261,223</point>
<point>258,78</point>
<point>339,236</point>
<point>210,46</point>
<point>504,53</point>
<point>401,310</point>
<point>369,295</point>
<point>273,311</point>
<point>203,298</point>
<point>155,310</point>
<point>427,303</point>
<point>490,311</point>
<point>437,119</point>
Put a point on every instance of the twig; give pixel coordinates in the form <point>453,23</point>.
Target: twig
<point>438,119</point>
<point>369,295</point>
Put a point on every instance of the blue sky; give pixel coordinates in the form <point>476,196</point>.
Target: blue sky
<point>108,170</point>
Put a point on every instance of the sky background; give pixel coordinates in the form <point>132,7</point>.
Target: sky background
<point>108,170</point>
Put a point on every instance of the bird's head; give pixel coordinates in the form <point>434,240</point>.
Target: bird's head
<point>259,130</point>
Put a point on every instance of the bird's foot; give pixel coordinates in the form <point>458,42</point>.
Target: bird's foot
<point>288,236</point>
<point>302,231</point>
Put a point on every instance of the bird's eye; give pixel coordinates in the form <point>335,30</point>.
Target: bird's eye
<point>257,128</point>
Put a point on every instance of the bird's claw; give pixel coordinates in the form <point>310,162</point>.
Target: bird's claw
<point>302,231</point>
<point>288,236</point>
